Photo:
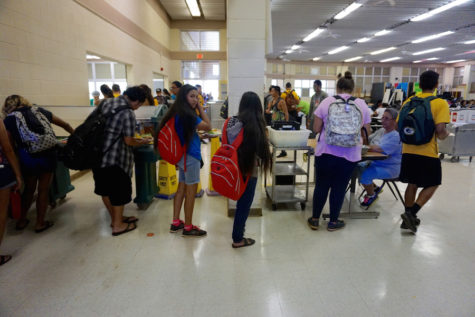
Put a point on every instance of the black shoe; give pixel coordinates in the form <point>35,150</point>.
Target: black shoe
<point>332,226</point>
<point>312,223</point>
<point>282,154</point>
<point>174,228</point>
<point>409,221</point>
<point>418,222</point>
<point>194,232</point>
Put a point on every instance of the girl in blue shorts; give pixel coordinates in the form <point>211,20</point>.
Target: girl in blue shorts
<point>187,122</point>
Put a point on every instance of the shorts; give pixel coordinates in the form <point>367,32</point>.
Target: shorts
<point>192,174</point>
<point>37,164</point>
<point>7,177</point>
<point>375,172</point>
<point>419,170</point>
<point>113,182</point>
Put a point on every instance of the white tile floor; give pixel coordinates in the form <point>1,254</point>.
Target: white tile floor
<point>368,269</point>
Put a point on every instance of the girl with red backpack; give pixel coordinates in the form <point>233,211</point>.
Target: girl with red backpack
<point>187,122</point>
<point>253,151</point>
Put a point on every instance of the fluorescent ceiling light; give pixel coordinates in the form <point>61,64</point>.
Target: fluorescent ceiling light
<point>353,59</point>
<point>316,58</point>
<point>382,32</point>
<point>313,34</point>
<point>295,47</point>
<point>383,51</point>
<point>390,59</point>
<point>92,57</point>
<point>288,51</point>
<point>419,61</point>
<point>429,51</point>
<point>469,42</point>
<point>338,50</point>
<point>432,37</point>
<point>352,7</point>
<point>364,39</point>
<point>438,10</point>
<point>194,8</point>
<point>432,59</point>
<point>456,61</point>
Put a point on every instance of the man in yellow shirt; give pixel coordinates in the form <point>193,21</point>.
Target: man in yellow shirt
<point>291,102</point>
<point>420,165</point>
<point>116,90</point>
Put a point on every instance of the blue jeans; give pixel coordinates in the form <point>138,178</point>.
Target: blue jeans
<point>331,173</point>
<point>243,207</point>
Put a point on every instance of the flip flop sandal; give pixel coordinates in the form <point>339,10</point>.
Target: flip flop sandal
<point>48,224</point>
<point>129,220</point>
<point>4,259</point>
<point>19,228</point>
<point>247,242</point>
<point>126,229</point>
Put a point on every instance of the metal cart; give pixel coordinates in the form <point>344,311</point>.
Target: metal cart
<point>288,193</point>
<point>460,142</point>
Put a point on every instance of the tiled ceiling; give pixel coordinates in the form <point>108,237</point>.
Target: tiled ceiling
<point>292,20</point>
<point>211,9</point>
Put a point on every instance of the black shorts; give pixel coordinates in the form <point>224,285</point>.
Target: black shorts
<point>419,170</point>
<point>113,182</point>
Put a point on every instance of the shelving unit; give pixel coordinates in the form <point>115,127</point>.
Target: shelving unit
<point>288,193</point>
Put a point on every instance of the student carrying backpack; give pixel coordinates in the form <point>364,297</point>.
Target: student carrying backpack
<point>416,124</point>
<point>242,159</point>
<point>344,123</point>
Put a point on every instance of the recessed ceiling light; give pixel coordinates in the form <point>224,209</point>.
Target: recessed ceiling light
<point>295,47</point>
<point>353,59</point>
<point>352,7</point>
<point>390,59</point>
<point>469,42</point>
<point>92,57</point>
<point>313,34</point>
<point>194,8</point>
<point>288,51</point>
<point>338,50</point>
<point>383,50</point>
<point>364,39</point>
<point>316,58</point>
<point>456,61</point>
<point>429,51</point>
<point>382,32</point>
<point>438,10</point>
<point>432,37</point>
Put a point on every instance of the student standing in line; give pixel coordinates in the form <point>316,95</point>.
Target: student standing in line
<point>253,151</point>
<point>317,97</point>
<point>186,125</point>
<point>334,164</point>
<point>106,92</point>
<point>175,88</point>
<point>10,179</point>
<point>30,128</point>
<point>116,90</point>
<point>420,165</point>
<point>149,100</point>
<point>278,109</point>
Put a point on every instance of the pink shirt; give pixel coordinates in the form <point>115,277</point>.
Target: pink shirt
<point>352,154</point>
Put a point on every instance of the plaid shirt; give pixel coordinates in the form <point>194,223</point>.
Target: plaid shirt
<point>118,126</point>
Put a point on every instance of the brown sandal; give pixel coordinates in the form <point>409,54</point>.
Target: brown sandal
<point>4,259</point>
<point>247,242</point>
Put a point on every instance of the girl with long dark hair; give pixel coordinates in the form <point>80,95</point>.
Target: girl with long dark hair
<point>253,151</point>
<point>186,124</point>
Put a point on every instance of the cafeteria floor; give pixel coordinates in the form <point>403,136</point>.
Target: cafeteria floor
<point>368,269</point>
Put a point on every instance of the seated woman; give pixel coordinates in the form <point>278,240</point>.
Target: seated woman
<point>389,144</point>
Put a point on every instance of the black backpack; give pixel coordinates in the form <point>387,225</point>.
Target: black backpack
<point>85,147</point>
<point>416,124</point>
<point>223,113</point>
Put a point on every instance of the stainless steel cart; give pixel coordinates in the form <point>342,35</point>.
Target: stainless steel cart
<point>460,142</point>
<point>288,193</point>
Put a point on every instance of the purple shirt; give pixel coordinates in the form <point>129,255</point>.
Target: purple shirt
<point>352,154</point>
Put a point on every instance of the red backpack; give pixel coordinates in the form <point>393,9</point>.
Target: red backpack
<point>169,145</point>
<point>225,173</point>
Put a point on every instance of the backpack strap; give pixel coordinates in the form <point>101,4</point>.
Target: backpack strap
<point>225,133</point>
<point>338,97</point>
<point>239,138</point>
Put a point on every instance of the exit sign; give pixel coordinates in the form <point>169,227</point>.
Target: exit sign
<point>199,56</point>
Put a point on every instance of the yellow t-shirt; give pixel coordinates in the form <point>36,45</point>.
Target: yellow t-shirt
<point>116,94</point>
<point>441,114</point>
<point>201,99</point>
<point>284,94</point>
<point>155,102</point>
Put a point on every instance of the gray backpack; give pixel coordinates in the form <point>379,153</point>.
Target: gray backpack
<point>344,122</point>
<point>35,142</point>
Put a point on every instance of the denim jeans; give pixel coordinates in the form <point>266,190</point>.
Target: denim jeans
<point>243,207</point>
<point>332,173</point>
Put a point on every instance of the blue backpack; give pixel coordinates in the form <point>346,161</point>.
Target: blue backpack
<point>416,125</point>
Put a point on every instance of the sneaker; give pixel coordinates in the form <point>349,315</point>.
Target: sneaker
<point>174,228</point>
<point>368,200</point>
<point>409,221</point>
<point>417,222</point>
<point>282,154</point>
<point>194,232</point>
<point>312,223</point>
<point>332,226</point>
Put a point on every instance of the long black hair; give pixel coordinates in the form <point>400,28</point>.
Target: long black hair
<point>255,136</point>
<point>182,108</point>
